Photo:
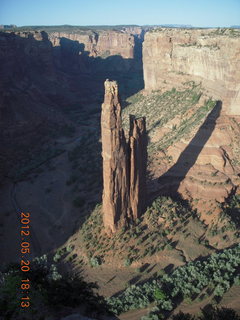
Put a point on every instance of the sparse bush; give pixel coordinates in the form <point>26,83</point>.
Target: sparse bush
<point>217,272</point>
<point>95,261</point>
<point>127,262</point>
<point>49,291</point>
<point>159,294</point>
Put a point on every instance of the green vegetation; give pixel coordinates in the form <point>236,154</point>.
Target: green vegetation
<point>209,313</point>
<point>159,109</point>
<point>150,234</point>
<point>70,29</point>
<point>50,290</point>
<point>213,275</point>
<point>95,261</point>
<point>232,210</point>
<point>230,32</point>
<point>200,46</point>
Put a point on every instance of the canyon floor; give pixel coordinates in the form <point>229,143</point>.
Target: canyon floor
<point>63,195</point>
<point>183,252</point>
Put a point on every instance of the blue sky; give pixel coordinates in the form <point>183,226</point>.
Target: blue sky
<point>200,13</point>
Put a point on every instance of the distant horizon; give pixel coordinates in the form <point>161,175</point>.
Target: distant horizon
<point>174,25</point>
<point>198,14</point>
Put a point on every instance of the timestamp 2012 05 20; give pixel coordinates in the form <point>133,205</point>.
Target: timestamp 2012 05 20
<point>25,262</point>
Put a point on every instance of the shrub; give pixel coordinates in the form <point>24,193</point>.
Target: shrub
<point>50,289</point>
<point>183,316</point>
<point>215,313</point>
<point>217,273</point>
<point>159,294</point>
<point>127,262</point>
<point>95,261</point>
<point>69,248</point>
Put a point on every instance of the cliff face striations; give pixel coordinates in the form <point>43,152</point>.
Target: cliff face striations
<point>115,164</point>
<point>124,163</point>
<point>99,43</point>
<point>210,56</point>
<point>114,50</point>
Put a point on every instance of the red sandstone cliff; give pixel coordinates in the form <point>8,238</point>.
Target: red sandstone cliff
<point>104,43</point>
<point>210,56</point>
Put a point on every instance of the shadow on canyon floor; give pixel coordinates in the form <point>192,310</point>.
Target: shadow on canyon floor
<point>46,86</point>
<point>41,82</point>
<point>170,181</point>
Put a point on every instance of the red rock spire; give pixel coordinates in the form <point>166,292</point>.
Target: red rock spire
<point>124,164</point>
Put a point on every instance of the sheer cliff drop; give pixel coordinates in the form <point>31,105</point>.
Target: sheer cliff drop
<point>124,163</point>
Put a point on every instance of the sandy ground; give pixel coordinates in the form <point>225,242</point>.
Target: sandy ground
<point>48,200</point>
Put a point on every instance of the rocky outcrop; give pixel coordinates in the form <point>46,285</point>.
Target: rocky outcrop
<point>115,161</point>
<point>124,163</point>
<point>209,56</point>
<point>138,163</point>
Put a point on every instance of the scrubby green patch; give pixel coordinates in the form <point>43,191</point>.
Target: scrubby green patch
<point>200,46</point>
<point>224,231</point>
<point>186,126</point>
<point>86,163</point>
<point>161,108</point>
<point>230,32</point>
<point>49,291</point>
<point>212,276</point>
<point>232,209</point>
<point>152,233</point>
<point>168,227</point>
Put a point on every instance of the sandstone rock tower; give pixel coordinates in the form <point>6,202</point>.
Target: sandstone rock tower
<point>138,165</point>
<point>124,163</point>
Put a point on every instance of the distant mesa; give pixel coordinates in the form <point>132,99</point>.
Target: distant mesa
<point>7,26</point>
<point>124,163</point>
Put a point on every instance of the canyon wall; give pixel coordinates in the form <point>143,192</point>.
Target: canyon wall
<point>105,43</point>
<point>95,51</point>
<point>45,73</point>
<point>85,51</point>
<point>124,163</point>
<point>209,56</point>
